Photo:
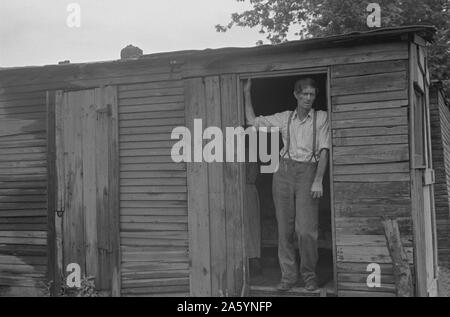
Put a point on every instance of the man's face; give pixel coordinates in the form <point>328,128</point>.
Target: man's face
<point>306,97</point>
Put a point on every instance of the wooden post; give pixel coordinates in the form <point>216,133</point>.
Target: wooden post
<point>234,191</point>
<point>402,270</point>
<point>52,271</point>
<point>198,200</point>
<point>60,184</point>
<point>114,197</point>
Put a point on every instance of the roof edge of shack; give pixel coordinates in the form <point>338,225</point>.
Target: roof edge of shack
<point>427,32</point>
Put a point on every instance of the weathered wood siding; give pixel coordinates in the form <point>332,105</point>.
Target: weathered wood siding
<point>371,176</point>
<point>215,194</point>
<point>23,192</point>
<point>153,196</point>
<point>153,190</point>
<point>289,60</point>
<point>440,132</point>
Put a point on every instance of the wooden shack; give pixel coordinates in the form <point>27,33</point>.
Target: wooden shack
<point>86,174</point>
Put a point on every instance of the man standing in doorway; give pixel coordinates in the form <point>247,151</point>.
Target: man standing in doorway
<point>298,183</point>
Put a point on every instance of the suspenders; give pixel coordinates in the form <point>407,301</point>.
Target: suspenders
<point>314,137</point>
<point>289,137</point>
<point>288,145</point>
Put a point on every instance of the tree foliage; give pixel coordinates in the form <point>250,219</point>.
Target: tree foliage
<point>316,18</point>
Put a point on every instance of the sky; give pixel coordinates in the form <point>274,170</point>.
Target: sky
<point>35,32</point>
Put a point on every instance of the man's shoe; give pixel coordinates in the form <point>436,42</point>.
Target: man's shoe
<point>285,286</point>
<point>311,285</point>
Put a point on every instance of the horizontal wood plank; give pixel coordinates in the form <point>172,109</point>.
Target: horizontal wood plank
<point>371,154</point>
<point>150,92</point>
<point>153,211</point>
<point>375,140</point>
<point>369,113</point>
<point>372,122</point>
<point>347,293</point>
<point>371,169</point>
<point>151,108</point>
<point>361,69</point>
<point>377,105</point>
<point>152,226</point>
<point>371,97</point>
<point>372,178</point>
<point>369,132</point>
<point>369,226</point>
<point>373,254</point>
<point>172,84</point>
<point>369,83</point>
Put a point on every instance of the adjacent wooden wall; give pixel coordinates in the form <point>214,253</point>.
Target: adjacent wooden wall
<point>370,169</point>
<point>23,193</point>
<point>440,132</point>
<point>153,190</point>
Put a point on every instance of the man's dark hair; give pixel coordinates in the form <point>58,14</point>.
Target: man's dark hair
<point>305,82</point>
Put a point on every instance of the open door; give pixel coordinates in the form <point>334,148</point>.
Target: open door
<point>87,203</point>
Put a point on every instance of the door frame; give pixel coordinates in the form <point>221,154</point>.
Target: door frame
<point>285,73</point>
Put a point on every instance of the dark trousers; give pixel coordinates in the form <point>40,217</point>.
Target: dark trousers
<point>297,217</point>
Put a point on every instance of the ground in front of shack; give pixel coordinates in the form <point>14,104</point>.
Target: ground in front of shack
<point>444,281</point>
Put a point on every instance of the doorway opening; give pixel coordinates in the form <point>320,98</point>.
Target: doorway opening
<point>272,95</point>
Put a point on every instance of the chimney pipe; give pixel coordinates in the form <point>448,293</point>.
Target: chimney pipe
<point>130,52</point>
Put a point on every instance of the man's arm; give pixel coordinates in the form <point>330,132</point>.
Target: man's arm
<point>249,112</point>
<point>324,145</point>
<point>317,186</point>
